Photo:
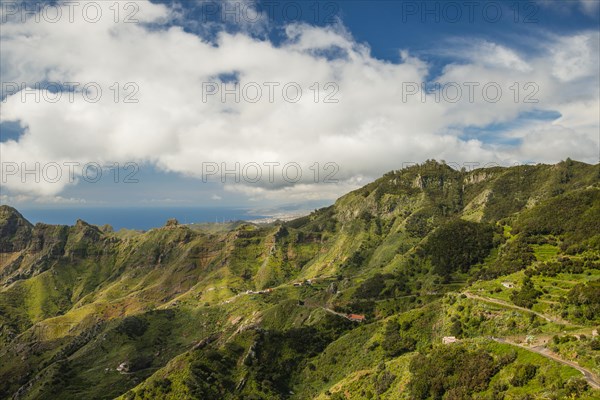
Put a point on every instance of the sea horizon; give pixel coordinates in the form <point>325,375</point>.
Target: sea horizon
<point>138,218</point>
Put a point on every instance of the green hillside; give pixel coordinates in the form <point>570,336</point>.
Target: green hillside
<point>506,261</point>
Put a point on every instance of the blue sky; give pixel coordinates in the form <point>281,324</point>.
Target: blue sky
<point>425,27</point>
<point>360,53</point>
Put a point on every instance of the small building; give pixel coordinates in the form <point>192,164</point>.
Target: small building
<point>356,317</point>
<point>595,332</point>
<point>449,339</point>
<point>508,285</point>
<point>297,283</point>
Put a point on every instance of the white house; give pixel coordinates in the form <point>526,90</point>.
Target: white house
<point>449,339</point>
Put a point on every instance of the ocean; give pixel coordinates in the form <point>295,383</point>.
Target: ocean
<point>140,218</point>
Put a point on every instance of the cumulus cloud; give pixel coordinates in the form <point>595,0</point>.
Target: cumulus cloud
<point>363,115</point>
<point>490,55</point>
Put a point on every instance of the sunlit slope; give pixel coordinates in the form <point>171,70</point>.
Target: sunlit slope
<point>248,311</point>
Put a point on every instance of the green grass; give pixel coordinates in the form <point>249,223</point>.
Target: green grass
<point>545,252</point>
<point>66,310</point>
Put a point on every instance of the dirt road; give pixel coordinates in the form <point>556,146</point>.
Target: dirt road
<point>589,376</point>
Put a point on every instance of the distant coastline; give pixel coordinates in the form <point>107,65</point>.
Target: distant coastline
<point>146,218</point>
<point>278,217</point>
<point>136,218</point>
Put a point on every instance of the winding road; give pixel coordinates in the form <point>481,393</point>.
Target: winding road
<point>556,320</point>
<point>589,376</point>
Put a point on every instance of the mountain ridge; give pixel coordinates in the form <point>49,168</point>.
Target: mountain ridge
<point>387,250</point>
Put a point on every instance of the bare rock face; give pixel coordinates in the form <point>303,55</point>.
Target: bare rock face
<point>478,177</point>
<point>172,223</point>
<point>15,230</point>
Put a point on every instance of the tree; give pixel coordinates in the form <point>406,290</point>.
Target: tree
<point>394,343</point>
<point>450,372</point>
<point>458,245</point>
<point>523,374</point>
<point>527,296</point>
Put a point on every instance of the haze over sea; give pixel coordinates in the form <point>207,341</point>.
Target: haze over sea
<point>141,218</point>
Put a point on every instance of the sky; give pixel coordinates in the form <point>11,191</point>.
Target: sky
<point>283,104</point>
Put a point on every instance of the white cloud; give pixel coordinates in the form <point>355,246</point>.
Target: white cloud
<point>590,7</point>
<point>369,131</point>
<point>576,57</point>
<point>490,55</point>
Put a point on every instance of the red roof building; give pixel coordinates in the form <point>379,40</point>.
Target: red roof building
<point>356,317</point>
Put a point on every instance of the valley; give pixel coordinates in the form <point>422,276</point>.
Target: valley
<point>353,301</point>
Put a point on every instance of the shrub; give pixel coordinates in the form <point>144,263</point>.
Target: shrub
<point>383,381</point>
<point>523,374</point>
<point>133,326</point>
<point>458,245</point>
<point>576,387</point>
<point>450,369</point>
<point>395,344</point>
<point>527,296</point>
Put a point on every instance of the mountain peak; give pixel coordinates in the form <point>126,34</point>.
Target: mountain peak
<point>15,230</point>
